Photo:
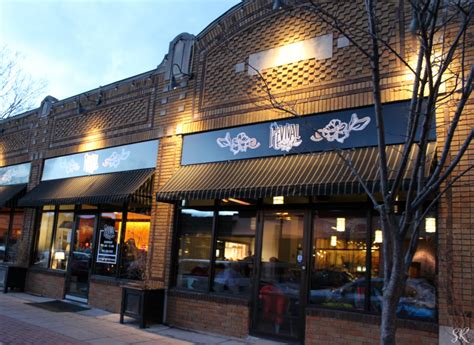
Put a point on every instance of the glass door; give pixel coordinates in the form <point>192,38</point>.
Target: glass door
<point>278,309</point>
<point>80,257</point>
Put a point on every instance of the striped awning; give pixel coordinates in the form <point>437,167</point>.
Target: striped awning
<point>294,175</point>
<point>134,187</point>
<point>10,194</point>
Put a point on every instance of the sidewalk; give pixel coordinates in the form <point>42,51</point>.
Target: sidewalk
<point>22,324</point>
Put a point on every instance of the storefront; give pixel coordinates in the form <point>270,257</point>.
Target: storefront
<point>267,217</point>
<point>94,215</point>
<point>13,182</point>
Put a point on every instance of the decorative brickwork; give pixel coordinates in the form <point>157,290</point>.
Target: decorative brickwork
<point>130,113</point>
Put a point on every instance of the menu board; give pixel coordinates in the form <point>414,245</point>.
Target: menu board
<point>108,245</point>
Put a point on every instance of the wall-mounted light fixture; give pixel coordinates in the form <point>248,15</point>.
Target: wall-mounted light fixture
<point>174,83</point>
<point>278,5</point>
<point>430,224</point>
<point>333,242</point>
<point>278,200</point>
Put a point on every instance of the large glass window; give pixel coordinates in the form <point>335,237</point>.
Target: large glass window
<point>62,241</point>
<point>13,242</point>
<point>97,239</point>
<point>135,246</point>
<point>194,249</point>
<point>235,250</point>
<point>4,224</point>
<point>44,240</point>
<point>110,226</point>
<point>418,300</point>
<point>339,255</point>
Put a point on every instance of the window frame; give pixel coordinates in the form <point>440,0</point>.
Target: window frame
<point>78,210</point>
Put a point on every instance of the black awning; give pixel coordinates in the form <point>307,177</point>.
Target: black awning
<point>133,186</point>
<point>295,175</point>
<point>10,194</point>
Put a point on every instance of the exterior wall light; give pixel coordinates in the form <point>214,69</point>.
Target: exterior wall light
<point>333,241</point>
<point>278,5</point>
<point>278,200</point>
<point>430,224</point>
<point>174,83</point>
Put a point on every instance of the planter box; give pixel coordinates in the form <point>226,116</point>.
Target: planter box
<point>145,305</point>
<point>12,277</point>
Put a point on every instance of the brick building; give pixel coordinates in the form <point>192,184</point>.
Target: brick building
<point>185,178</point>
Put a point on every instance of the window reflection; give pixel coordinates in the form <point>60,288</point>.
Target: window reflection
<point>194,249</point>
<point>135,246</point>
<point>4,222</point>
<point>107,246</point>
<point>418,300</point>
<point>44,240</point>
<point>235,252</point>
<point>62,241</point>
<point>13,243</point>
<point>339,255</point>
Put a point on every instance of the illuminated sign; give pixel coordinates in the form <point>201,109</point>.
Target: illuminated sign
<point>15,174</point>
<point>122,158</point>
<point>342,129</point>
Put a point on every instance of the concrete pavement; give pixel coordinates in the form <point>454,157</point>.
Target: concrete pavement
<point>23,324</point>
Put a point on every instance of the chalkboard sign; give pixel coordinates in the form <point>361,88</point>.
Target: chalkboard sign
<point>108,246</point>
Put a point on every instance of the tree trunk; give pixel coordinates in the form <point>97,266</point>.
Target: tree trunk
<point>388,327</point>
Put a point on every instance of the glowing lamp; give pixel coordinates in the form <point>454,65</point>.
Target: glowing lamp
<point>278,200</point>
<point>341,224</point>
<point>333,241</point>
<point>430,224</point>
<point>59,256</point>
<point>378,236</point>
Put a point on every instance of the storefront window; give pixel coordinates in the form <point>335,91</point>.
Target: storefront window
<point>4,224</point>
<point>418,300</point>
<point>194,249</point>
<point>135,246</point>
<point>339,262</point>
<point>44,239</point>
<point>110,225</point>
<point>13,243</point>
<point>62,241</point>
<point>235,252</point>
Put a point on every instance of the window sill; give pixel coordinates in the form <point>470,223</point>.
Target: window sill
<point>365,317</point>
<point>210,297</point>
<point>113,281</point>
<point>48,271</point>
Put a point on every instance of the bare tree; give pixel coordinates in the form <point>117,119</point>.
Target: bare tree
<point>441,77</point>
<point>18,90</point>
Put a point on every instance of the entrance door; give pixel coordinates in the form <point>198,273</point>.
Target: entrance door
<point>278,308</point>
<point>77,282</point>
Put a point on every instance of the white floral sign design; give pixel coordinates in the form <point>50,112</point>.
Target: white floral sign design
<point>285,137</point>
<point>113,161</point>
<point>336,130</point>
<point>240,143</point>
<point>70,166</point>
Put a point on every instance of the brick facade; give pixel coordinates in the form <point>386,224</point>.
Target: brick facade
<point>143,108</point>
<point>221,315</point>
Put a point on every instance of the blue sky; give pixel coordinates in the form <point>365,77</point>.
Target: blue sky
<point>77,45</point>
